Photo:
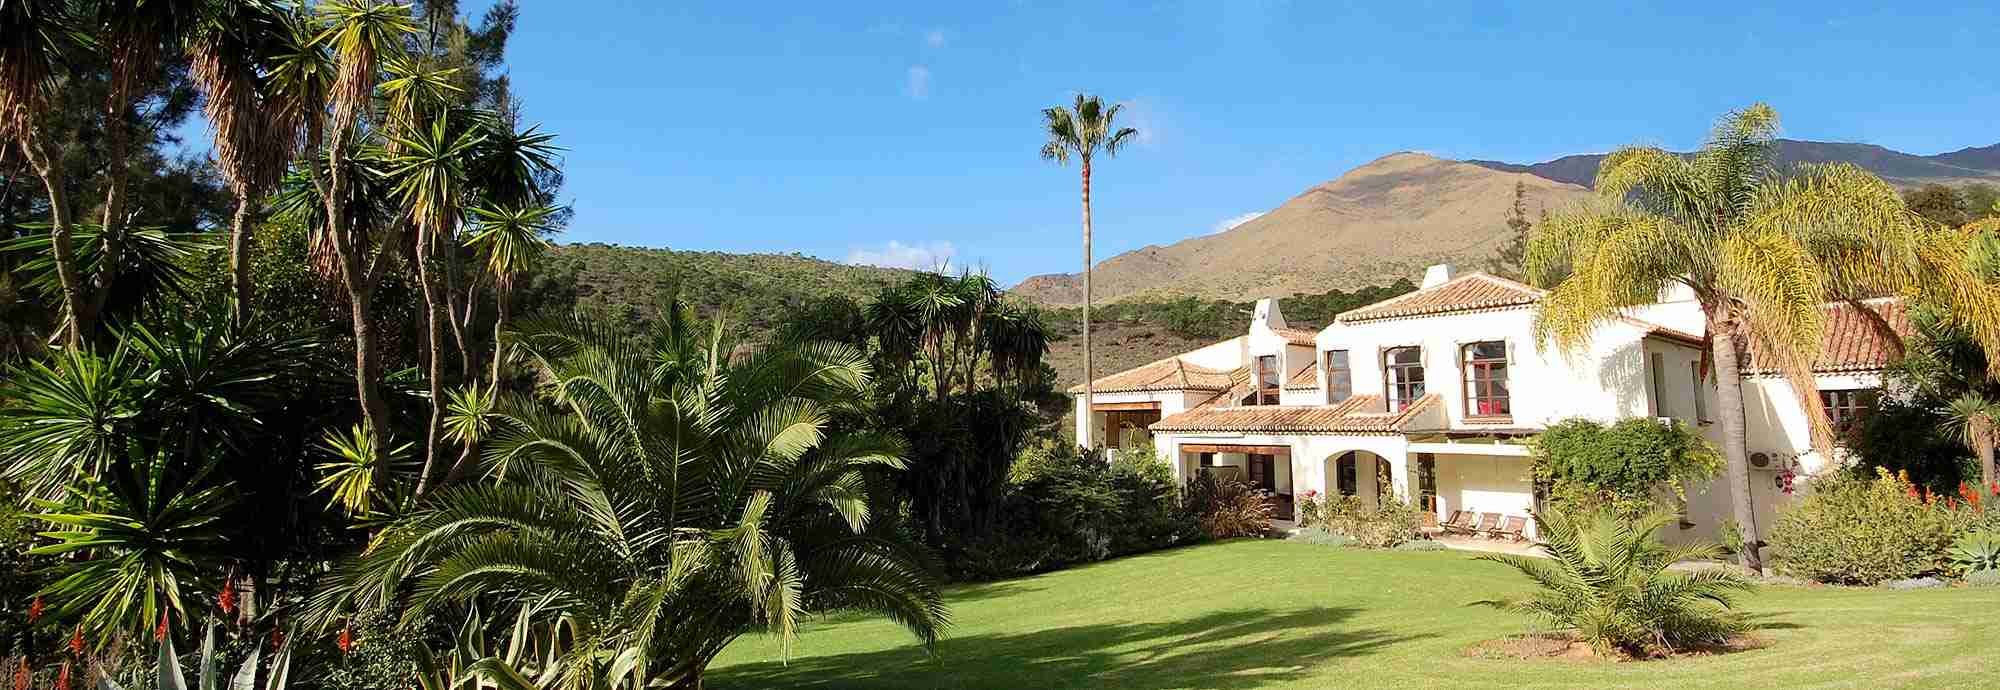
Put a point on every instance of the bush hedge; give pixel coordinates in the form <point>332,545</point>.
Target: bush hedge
<point>1850,530</point>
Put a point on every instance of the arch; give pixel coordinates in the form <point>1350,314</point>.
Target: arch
<point>1349,473</point>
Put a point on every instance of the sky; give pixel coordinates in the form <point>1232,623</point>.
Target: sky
<point>907,133</point>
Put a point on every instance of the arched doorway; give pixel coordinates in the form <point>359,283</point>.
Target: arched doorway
<point>1357,473</point>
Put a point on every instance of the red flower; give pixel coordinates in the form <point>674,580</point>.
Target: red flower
<point>347,639</point>
<point>34,611</point>
<point>62,679</point>
<point>76,641</point>
<point>21,676</point>
<point>1913,491</point>
<point>160,633</point>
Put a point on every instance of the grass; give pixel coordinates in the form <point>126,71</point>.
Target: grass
<point>1271,614</point>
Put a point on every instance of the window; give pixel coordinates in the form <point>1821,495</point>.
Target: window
<point>1486,380</point>
<point>1129,429</point>
<point>1427,483</point>
<point>1656,372</point>
<point>1268,380</point>
<point>1345,479</point>
<point>1339,378</point>
<point>1404,368</point>
<point>1700,392</point>
<point>1847,407</point>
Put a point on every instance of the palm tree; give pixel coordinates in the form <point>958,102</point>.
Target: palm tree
<point>1975,417</point>
<point>659,498</point>
<point>511,242</point>
<point>256,133</point>
<point>1081,132</point>
<point>1761,252</point>
<point>34,37</point>
<point>1606,581</point>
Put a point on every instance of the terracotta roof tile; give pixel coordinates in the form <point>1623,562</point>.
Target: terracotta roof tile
<point>1355,415</point>
<point>1298,336</point>
<point>1307,377</point>
<point>1170,374</point>
<point>1468,292</point>
<point>1849,341</point>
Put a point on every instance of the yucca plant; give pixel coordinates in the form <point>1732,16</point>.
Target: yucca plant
<point>661,497</point>
<point>1605,581</point>
<point>354,475</point>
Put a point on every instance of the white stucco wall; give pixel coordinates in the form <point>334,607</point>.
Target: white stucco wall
<point>1485,484</point>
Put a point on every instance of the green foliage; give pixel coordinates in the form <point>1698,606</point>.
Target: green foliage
<point>757,291</point>
<point>1510,261</point>
<point>254,674</point>
<point>1606,581</point>
<point>1976,551</point>
<point>1627,466</point>
<point>1923,433</point>
<point>1422,545</point>
<point>1384,526</point>
<point>1940,204</point>
<point>1228,508</point>
<point>1065,508</point>
<point>663,498</point>
<point>1983,578</point>
<point>1850,530</point>
<point>1320,536</point>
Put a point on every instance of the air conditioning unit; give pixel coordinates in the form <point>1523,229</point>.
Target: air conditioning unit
<point>1765,462</point>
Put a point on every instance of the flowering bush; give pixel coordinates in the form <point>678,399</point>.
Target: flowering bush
<point>1866,531</point>
<point>1375,527</point>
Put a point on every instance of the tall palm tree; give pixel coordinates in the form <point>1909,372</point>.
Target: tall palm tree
<point>1762,252</point>
<point>255,132</point>
<point>1973,415</point>
<point>1081,132</point>
<point>356,35</point>
<point>660,497</point>
<point>34,36</point>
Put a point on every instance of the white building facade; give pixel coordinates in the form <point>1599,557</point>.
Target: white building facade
<point>1433,395</point>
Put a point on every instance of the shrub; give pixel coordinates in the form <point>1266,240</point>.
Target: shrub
<point>1627,467</point>
<point>1866,531</point>
<point>1066,508</point>
<point>1606,582</point>
<point>1376,527</point>
<point>1311,509</point>
<point>1983,578</point>
<point>1228,508</point>
<point>1976,551</point>
<point>1421,545</point>
<point>1316,535</point>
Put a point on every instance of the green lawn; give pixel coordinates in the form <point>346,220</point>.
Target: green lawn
<point>1271,614</point>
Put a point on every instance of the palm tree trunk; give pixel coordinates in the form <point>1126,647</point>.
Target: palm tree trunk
<point>1983,437</point>
<point>434,342</point>
<point>359,279</point>
<point>503,300</point>
<point>1723,339</point>
<point>1089,360</point>
<point>239,258</point>
<point>118,147</point>
<point>49,168</point>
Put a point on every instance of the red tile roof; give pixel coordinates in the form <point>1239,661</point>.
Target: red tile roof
<point>1355,415</point>
<point>1473,291</point>
<point>1170,374</point>
<point>1298,336</point>
<point>1849,341</point>
<point>1307,377</point>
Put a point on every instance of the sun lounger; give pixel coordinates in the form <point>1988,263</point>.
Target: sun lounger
<point>1461,522</point>
<point>1514,527</point>
<point>1489,524</point>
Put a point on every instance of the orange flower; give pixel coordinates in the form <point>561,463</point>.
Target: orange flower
<point>62,679</point>
<point>347,639</point>
<point>228,597</point>
<point>21,675</point>
<point>76,641</point>
<point>35,611</point>
<point>160,633</point>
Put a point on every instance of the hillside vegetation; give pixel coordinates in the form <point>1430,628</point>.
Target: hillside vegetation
<point>754,291</point>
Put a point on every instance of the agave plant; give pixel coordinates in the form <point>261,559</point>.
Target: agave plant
<point>209,676</point>
<point>1976,551</point>
<point>1605,581</point>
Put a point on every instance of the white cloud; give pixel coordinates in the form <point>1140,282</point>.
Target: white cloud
<point>935,38</point>
<point>898,255</point>
<point>1230,223</point>
<point>917,84</point>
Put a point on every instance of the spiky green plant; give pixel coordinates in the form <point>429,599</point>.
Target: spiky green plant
<point>663,496</point>
<point>1606,581</point>
<point>1762,250</point>
<point>353,475</point>
<point>208,674</point>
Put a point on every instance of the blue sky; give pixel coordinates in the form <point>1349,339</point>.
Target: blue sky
<point>908,131</point>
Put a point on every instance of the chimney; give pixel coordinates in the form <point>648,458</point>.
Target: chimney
<point>1437,275</point>
<point>1268,315</point>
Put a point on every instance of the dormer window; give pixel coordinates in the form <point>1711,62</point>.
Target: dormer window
<point>1339,377</point>
<point>1403,369</point>
<point>1266,383</point>
<point>1486,380</point>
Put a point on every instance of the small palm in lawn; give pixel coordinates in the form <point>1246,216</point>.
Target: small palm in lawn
<point>659,498</point>
<point>1081,132</point>
<point>1761,251</point>
<point>1606,581</point>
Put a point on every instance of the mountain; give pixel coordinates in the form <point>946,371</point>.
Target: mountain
<point>1382,221</point>
<point>1904,169</point>
<point>752,290</point>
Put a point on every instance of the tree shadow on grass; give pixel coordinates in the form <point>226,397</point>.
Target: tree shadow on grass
<point>1225,649</point>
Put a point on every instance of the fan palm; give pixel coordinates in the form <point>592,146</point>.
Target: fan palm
<point>1606,581</point>
<point>1762,252</point>
<point>1081,132</point>
<point>658,499</point>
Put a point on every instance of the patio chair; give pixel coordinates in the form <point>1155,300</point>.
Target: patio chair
<point>1515,528</point>
<point>1461,522</point>
<point>1489,525</point>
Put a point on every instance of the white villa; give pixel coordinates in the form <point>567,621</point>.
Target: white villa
<point>1437,389</point>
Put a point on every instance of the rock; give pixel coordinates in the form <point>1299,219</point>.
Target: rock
<point>1915,583</point>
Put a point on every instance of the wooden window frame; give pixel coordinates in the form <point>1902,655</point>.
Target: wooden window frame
<point>1401,395</point>
<point>1338,388</point>
<point>1267,385</point>
<point>1478,370</point>
<point>1847,407</point>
